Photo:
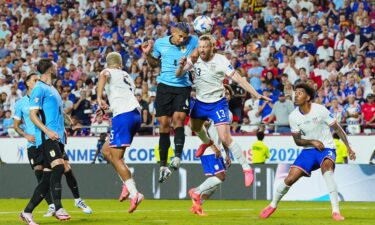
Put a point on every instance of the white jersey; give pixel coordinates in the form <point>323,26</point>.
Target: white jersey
<point>313,126</point>
<point>209,77</point>
<point>120,91</point>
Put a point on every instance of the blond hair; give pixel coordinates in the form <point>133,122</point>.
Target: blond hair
<point>114,59</point>
<point>208,37</point>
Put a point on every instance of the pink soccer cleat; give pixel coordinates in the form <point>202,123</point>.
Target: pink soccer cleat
<point>195,198</point>
<point>197,209</point>
<point>267,212</point>
<point>249,177</point>
<point>203,148</point>
<point>124,193</point>
<point>27,218</point>
<point>62,215</point>
<point>135,201</point>
<point>337,216</point>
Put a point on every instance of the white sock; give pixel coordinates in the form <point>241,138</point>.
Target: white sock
<point>238,154</point>
<point>51,206</point>
<point>332,190</point>
<point>207,186</point>
<point>280,191</point>
<point>202,134</point>
<point>131,187</point>
<point>210,192</point>
<point>76,200</point>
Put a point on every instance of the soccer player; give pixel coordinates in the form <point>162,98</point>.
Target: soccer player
<point>47,114</point>
<point>22,109</point>
<point>173,93</point>
<point>310,124</point>
<point>259,150</point>
<point>210,71</point>
<point>126,121</point>
<point>341,151</point>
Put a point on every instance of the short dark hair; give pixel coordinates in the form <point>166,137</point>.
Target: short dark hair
<point>308,89</point>
<point>335,136</point>
<point>184,27</point>
<point>44,65</point>
<point>260,135</point>
<point>32,73</point>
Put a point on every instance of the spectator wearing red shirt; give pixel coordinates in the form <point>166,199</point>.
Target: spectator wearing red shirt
<point>271,68</point>
<point>368,111</point>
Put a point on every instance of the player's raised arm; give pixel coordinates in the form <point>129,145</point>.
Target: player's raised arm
<point>246,86</point>
<point>148,48</point>
<point>184,66</point>
<point>339,131</point>
<point>103,76</point>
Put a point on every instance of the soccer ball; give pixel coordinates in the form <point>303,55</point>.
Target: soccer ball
<point>203,25</point>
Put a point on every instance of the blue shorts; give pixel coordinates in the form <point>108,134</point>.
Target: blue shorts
<point>124,127</point>
<point>212,165</point>
<point>311,159</point>
<point>216,111</point>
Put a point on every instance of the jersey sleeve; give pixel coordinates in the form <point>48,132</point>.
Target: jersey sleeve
<point>327,117</point>
<point>18,111</point>
<point>36,98</point>
<point>293,125</point>
<point>227,67</point>
<point>156,51</point>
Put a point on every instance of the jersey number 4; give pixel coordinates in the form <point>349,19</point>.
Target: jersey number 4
<point>127,82</point>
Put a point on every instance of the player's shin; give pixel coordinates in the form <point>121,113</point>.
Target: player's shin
<point>39,193</point>
<point>72,183</point>
<point>164,143</point>
<point>179,141</point>
<point>238,154</point>
<point>332,190</point>
<point>202,134</point>
<point>280,191</point>
<point>56,176</point>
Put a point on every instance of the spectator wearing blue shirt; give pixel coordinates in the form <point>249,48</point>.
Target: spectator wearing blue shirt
<point>68,81</point>
<point>8,122</point>
<point>254,74</point>
<point>308,46</point>
<point>265,108</point>
<point>54,8</point>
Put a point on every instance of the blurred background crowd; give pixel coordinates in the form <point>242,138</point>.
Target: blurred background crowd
<point>274,44</point>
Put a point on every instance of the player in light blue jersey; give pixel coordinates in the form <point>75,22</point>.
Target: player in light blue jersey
<point>173,93</point>
<point>47,115</point>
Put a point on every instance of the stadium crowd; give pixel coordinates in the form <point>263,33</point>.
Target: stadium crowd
<point>275,44</point>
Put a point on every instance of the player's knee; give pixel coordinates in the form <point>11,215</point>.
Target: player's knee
<point>221,176</point>
<point>290,180</point>
<point>38,167</point>
<point>227,140</point>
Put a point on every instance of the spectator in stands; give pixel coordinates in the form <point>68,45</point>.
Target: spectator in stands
<point>280,114</point>
<point>99,126</point>
<point>7,122</point>
<point>352,115</point>
<point>82,109</point>
<point>368,112</point>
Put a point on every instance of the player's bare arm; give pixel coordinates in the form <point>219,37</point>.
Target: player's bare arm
<point>35,119</point>
<point>246,86</point>
<point>21,132</point>
<point>307,143</point>
<point>103,76</point>
<point>338,129</point>
<point>184,66</point>
<point>147,49</point>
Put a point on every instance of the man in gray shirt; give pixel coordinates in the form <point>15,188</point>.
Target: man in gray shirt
<point>281,110</point>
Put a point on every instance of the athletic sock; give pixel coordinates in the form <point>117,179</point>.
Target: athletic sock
<point>130,184</point>
<point>72,183</point>
<point>56,176</point>
<point>238,154</point>
<point>164,144</point>
<point>202,134</point>
<point>47,197</point>
<point>332,190</point>
<point>280,191</point>
<point>208,185</point>
<point>179,141</point>
<point>39,192</point>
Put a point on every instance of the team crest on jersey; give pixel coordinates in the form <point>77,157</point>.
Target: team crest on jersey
<point>315,120</point>
<point>212,67</point>
<point>52,153</point>
<point>183,49</point>
<point>36,100</point>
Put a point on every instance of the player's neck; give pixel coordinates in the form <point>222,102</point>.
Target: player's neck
<point>305,108</point>
<point>46,78</point>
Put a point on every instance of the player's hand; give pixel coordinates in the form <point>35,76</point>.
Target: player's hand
<point>30,138</point>
<point>99,112</point>
<point>318,144</point>
<point>183,61</point>
<point>102,104</point>
<point>351,154</point>
<point>52,135</point>
<point>265,98</point>
<point>147,46</point>
<point>228,161</point>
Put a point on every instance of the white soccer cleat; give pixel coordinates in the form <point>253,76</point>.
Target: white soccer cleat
<point>27,218</point>
<point>50,212</point>
<point>82,205</point>
<point>175,163</point>
<point>165,172</point>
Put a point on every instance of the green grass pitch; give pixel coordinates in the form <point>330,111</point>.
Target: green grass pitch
<point>176,212</point>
